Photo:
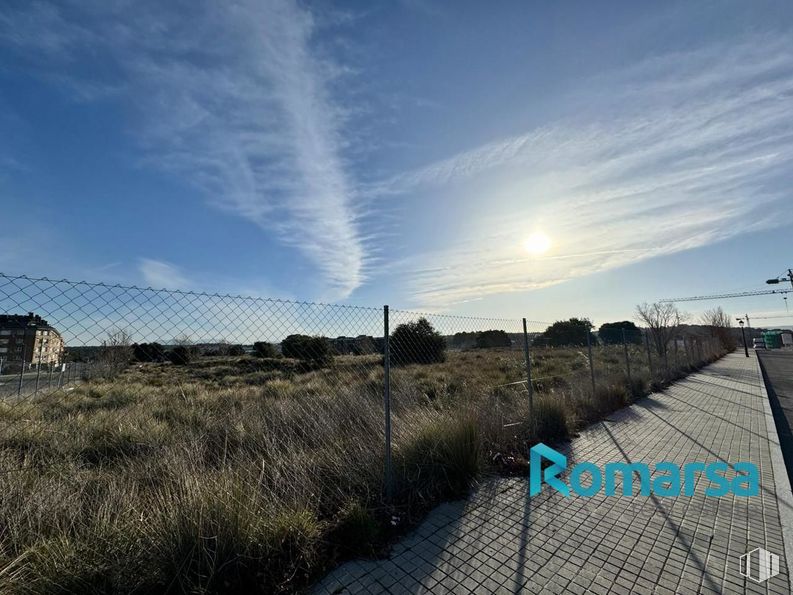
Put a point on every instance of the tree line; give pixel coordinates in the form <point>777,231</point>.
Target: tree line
<point>418,342</point>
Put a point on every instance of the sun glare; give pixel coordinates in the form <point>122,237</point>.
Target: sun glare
<point>537,243</point>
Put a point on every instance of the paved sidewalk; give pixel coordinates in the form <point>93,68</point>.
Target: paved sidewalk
<point>500,541</point>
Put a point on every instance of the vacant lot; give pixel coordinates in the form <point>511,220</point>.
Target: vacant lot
<point>255,474</point>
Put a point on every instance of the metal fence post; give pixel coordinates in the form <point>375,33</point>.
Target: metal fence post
<point>49,380</point>
<point>22,366</point>
<point>527,358</point>
<point>387,403</point>
<point>649,356</point>
<point>591,366</point>
<point>627,361</point>
<point>38,367</point>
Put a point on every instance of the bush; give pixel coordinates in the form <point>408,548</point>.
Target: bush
<point>307,349</point>
<point>417,343</point>
<point>264,349</point>
<point>179,355</point>
<point>236,350</point>
<point>148,352</point>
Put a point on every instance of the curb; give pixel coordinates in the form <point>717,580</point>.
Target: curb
<point>782,488</point>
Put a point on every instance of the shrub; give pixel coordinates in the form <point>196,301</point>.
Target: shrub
<point>148,352</point>
<point>179,355</point>
<point>417,343</point>
<point>236,350</point>
<point>264,349</point>
<point>307,349</point>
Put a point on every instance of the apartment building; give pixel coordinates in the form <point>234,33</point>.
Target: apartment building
<point>29,339</point>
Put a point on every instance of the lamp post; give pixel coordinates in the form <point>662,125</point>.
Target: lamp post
<point>743,335</point>
<point>788,277</point>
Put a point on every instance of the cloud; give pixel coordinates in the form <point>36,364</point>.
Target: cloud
<point>671,154</point>
<point>162,275</point>
<point>234,97</point>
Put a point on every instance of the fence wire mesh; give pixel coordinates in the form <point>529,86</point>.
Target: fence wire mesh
<point>169,414</point>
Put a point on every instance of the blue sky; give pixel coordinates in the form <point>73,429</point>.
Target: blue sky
<point>402,152</point>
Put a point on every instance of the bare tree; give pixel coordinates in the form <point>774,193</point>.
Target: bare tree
<point>116,351</point>
<point>720,327</point>
<point>663,320</point>
<point>184,340</point>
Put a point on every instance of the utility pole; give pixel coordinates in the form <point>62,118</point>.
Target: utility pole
<point>743,336</point>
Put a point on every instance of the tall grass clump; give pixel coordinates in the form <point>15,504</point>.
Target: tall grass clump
<point>440,461</point>
<point>550,420</point>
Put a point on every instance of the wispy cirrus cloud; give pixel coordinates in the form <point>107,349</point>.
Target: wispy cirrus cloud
<point>235,97</point>
<point>675,153</point>
<point>162,275</point>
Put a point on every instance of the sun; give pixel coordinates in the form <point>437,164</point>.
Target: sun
<point>537,243</point>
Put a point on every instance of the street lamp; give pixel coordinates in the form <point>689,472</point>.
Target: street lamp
<point>743,335</point>
<point>788,277</point>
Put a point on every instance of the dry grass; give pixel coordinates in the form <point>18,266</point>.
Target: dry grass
<point>248,475</point>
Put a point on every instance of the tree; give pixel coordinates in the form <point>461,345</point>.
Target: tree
<point>493,338</point>
<point>264,349</point>
<point>663,320</point>
<point>307,349</point>
<point>720,327</point>
<point>611,333</point>
<point>417,343</point>
<point>236,350</point>
<point>562,333</point>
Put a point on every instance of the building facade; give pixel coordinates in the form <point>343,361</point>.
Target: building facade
<point>29,339</point>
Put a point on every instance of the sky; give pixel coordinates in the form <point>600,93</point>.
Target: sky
<point>403,153</point>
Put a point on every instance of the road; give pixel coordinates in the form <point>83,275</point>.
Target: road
<point>31,381</point>
<point>502,540</point>
<point>778,371</point>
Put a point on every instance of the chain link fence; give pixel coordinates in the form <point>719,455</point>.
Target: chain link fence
<point>248,441</point>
